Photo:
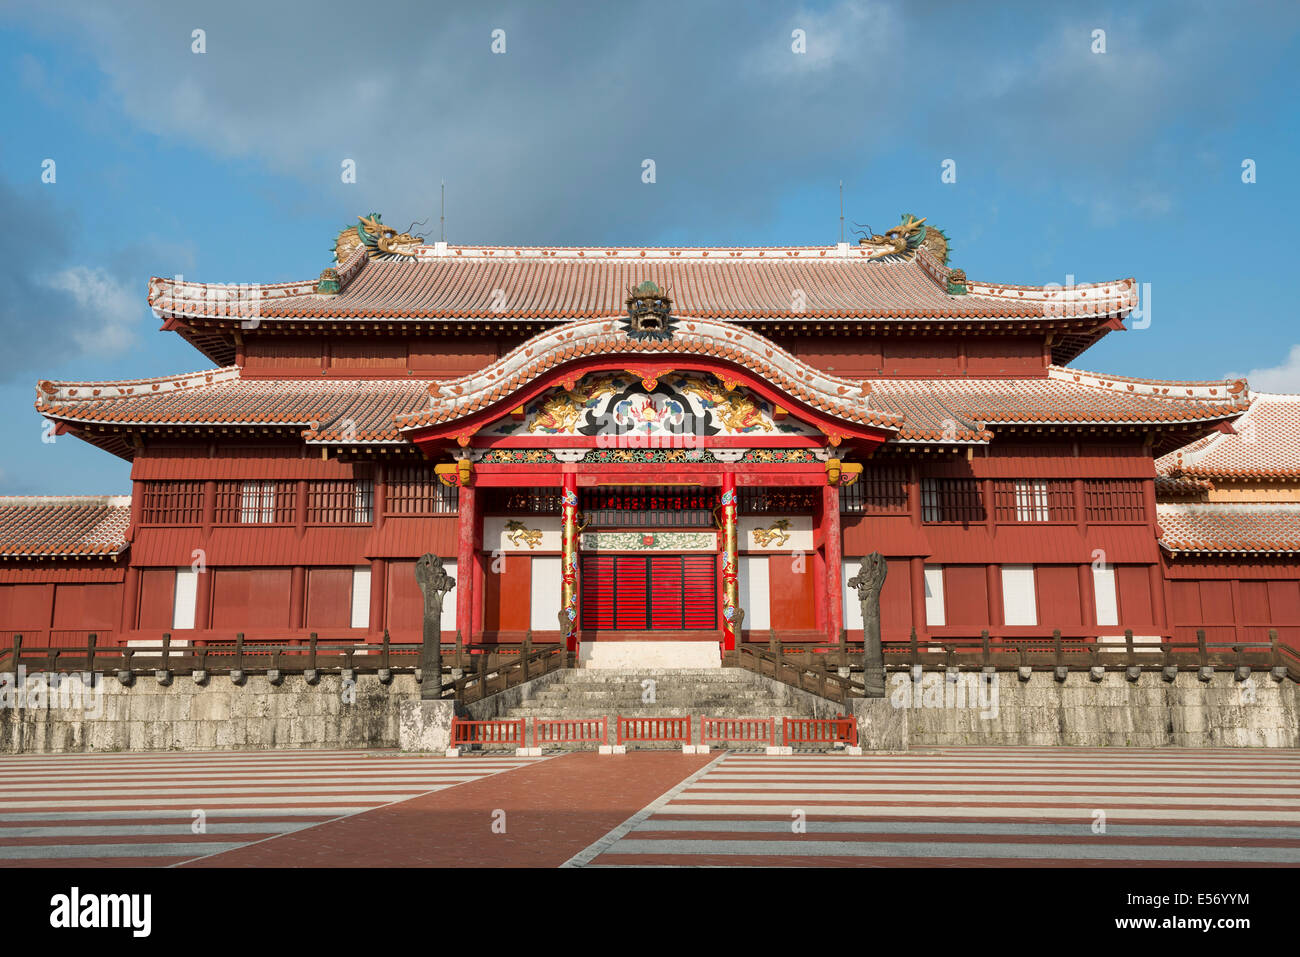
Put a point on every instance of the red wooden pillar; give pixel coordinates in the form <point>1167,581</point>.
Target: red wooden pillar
<point>916,569</point>
<point>378,594</point>
<point>1087,600</point>
<point>1158,584</point>
<point>1160,588</point>
<point>993,580</point>
<point>130,598</point>
<point>833,596</point>
<point>297,595</point>
<point>379,485</point>
<point>465,597</point>
<point>203,599</point>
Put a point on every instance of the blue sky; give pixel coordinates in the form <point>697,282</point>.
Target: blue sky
<point>224,165</point>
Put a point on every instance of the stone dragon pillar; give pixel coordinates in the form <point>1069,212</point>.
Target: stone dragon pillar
<point>434,583</point>
<point>868,582</point>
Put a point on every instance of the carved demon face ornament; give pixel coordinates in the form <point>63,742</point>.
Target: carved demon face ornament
<point>649,312</point>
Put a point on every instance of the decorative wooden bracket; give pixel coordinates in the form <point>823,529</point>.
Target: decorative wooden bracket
<point>842,473</point>
<point>455,473</point>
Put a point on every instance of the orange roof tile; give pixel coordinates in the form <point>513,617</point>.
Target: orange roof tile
<point>73,526</point>
<point>1225,528</point>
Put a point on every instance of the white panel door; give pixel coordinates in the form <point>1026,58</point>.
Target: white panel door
<point>1103,586</point>
<point>755,596</point>
<point>546,587</point>
<point>1019,604</point>
<point>361,597</point>
<point>187,592</point>
<point>934,608</point>
<point>852,610</point>
<point>448,620</point>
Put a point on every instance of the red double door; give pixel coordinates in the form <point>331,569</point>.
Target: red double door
<point>649,592</point>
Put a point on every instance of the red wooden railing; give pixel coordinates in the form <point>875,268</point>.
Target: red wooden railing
<point>465,733</point>
<point>825,732</point>
<point>570,731</point>
<point>738,730</point>
<point>654,729</point>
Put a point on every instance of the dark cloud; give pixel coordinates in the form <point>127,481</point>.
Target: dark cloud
<point>54,308</point>
<point>545,142</point>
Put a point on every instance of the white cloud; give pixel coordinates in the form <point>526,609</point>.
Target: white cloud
<point>108,308</point>
<point>1284,377</point>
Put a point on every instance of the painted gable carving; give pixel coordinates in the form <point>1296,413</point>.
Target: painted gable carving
<point>678,404</point>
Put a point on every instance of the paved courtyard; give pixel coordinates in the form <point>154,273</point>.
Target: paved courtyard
<point>946,807</point>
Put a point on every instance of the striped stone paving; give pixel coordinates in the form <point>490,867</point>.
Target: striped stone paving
<point>139,809</point>
<point>974,807</point>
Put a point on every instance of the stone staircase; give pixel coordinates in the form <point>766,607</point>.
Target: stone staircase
<point>712,692</point>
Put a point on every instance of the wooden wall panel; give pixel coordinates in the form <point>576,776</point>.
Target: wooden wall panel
<point>507,595</point>
<point>329,598</point>
<point>86,607</point>
<point>368,353</point>
<point>1058,596</point>
<point>912,356</point>
<point>966,596</point>
<point>1133,583</point>
<point>793,593</point>
<point>288,353</point>
<point>450,356</point>
<point>406,603</point>
<point>995,356</point>
<point>25,607</point>
<point>157,598</point>
<point>250,598</point>
<point>896,603</point>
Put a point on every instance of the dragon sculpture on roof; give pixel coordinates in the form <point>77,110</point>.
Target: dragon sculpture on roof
<point>381,241</point>
<point>906,238</point>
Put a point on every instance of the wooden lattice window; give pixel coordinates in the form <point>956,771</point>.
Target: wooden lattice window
<point>1114,500</point>
<point>951,500</point>
<point>879,491</point>
<point>416,490</point>
<point>1033,500</point>
<point>172,503</point>
<point>340,502</point>
<point>255,502</point>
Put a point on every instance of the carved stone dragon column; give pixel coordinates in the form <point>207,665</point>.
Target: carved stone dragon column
<point>434,583</point>
<point>868,582</point>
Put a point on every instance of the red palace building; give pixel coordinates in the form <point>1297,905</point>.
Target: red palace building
<point>653,453</point>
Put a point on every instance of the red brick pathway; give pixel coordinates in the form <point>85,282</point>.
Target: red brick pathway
<point>553,809</point>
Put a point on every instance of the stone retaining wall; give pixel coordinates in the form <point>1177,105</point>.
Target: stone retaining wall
<point>148,716</point>
<point>1079,712</point>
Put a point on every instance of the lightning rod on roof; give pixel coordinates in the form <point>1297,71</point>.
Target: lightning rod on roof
<point>442,215</point>
<point>841,210</point>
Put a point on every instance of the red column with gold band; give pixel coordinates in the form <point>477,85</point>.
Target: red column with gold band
<point>569,562</point>
<point>731,612</point>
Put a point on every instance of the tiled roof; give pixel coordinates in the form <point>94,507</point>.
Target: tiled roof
<point>1223,528</point>
<point>1063,396</point>
<point>71,526</point>
<point>1266,444</point>
<point>1168,486</point>
<point>705,339</point>
<point>372,410</point>
<point>362,407</point>
<point>500,283</point>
